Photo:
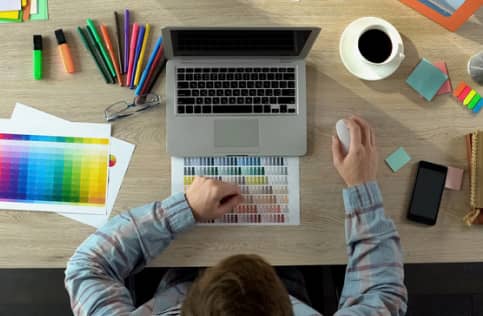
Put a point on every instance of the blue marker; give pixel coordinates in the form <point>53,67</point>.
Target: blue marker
<point>139,45</point>
<point>148,66</point>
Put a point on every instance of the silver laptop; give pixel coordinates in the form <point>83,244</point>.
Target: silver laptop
<point>236,90</point>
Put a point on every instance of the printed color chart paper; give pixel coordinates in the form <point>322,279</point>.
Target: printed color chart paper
<point>122,150</point>
<point>270,186</point>
<point>44,172</point>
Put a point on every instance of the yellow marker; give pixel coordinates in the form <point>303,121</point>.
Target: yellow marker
<point>141,55</point>
<point>469,97</point>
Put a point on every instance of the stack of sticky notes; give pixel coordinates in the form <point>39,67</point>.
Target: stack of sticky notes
<point>468,97</point>
<point>12,11</point>
<point>398,159</point>
<point>428,79</point>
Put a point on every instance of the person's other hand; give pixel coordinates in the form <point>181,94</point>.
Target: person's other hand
<point>360,163</point>
<point>210,199</point>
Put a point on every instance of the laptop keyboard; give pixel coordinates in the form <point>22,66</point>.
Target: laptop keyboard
<point>258,91</point>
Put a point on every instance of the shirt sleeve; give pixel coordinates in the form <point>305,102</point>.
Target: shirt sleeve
<point>374,279</point>
<point>95,274</point>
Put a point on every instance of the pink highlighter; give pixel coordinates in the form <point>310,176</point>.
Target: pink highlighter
<point>132,52</point>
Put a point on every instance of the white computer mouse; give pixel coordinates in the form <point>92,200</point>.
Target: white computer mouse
<point>343,134</point>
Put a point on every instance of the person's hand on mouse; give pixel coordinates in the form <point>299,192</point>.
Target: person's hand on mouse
<point>360,164</point>
<point>210,198</point>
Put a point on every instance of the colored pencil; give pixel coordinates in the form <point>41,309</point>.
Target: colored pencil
<point>110,49</point>
<point>156,61</point>
<point>83,37</point>
<point>92,27</point>
<point>119,42</point>
<point>157,73</point>
<point>139,44</point>
<point>132,52</point>
<point>148,66</point>
<point>141,57</point>
<point>126,40</point>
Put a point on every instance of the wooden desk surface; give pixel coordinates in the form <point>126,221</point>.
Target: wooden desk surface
<point>430,131</point>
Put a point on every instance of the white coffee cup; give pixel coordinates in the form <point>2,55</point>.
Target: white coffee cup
<point>397,52</point>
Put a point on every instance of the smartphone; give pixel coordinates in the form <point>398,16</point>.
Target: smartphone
<point>427,193</point>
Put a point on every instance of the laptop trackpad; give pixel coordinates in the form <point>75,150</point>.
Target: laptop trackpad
<point>236,133</point>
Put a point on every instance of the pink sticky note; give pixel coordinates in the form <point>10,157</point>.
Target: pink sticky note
<point>454,178</point>
<point>446,87</point>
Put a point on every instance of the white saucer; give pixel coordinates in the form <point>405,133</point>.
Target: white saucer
<point>348,48</point>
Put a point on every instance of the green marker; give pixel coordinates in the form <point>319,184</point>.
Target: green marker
<point>92,27</point>
<point>37,57</point>
<point>474,101</point>
<point>95,54</point>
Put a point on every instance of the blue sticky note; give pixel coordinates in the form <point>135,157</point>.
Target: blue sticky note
<point>398,159</point>
<point>426,79</point>
<point>478,106</point>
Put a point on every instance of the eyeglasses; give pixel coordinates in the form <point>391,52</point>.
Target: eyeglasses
<point>122,108</point>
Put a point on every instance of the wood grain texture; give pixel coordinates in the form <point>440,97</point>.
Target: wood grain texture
<point>430,131</point>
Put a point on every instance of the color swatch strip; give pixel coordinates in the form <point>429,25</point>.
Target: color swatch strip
<point>53,170</point>
<point>265,183</point>
<point>469,97</point>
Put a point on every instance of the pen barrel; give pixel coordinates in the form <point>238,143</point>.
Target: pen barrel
<point>66,57</point>
<point>37,64</point>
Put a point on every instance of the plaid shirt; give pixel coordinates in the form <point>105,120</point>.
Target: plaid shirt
<point>95,274</point>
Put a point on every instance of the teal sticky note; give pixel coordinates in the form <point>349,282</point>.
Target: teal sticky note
<point>426,79</point>
<point>398,159</point>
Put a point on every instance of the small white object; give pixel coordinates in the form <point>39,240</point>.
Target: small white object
<point>353,60</point>
<point>343,134</point>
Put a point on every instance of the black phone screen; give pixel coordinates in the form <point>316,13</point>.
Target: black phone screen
<point>427,193</point>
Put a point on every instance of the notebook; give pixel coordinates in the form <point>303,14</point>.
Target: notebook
<point>474,150</point>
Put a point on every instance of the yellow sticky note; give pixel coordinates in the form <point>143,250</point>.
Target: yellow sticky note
<point>9,15</point>
<point>469,97</point>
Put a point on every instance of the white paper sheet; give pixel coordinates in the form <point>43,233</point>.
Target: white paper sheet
<point>261,191</point>
<point>120,149</point>
<point>33,7</point>
<point>10,5</point>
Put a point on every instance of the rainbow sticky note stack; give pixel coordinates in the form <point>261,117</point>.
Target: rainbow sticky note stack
<point>468,97</point>
<point>426,79</point>
<point>12,11</point>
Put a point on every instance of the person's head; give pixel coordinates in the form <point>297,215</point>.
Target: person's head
<point>238,285</point>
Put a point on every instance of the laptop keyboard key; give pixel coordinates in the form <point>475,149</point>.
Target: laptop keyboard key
<point>266,109</point>
<point>195,93</point>
<point>233,109</point>
<point>286,100</point>
<point>283,108</point>
<point>206,109</point>
<point>197,109</point>
<point>186,100</point>
<point>288,92</point>
<point>184,93</point>
<point>257,109</point>
<point>180,109</point>
<point>189,109</point>
<point>183,85</point>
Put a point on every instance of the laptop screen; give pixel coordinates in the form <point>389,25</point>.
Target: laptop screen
<point>238,42</point>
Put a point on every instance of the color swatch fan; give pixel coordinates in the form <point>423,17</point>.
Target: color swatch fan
<point>44,171</point>
<point>269,185</point>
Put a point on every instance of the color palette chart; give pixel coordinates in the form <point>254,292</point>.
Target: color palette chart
<point>39,172</point>
<point>270,186</point>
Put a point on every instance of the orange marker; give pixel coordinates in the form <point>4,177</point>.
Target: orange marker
<point>459,89</point>
<point>64,51</point>
<point>112,54</point>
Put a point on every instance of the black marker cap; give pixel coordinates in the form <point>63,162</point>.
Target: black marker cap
<point>37,42</point>
<point>59,34</point>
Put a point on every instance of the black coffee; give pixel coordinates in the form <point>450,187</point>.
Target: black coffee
<point>375,45</point>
